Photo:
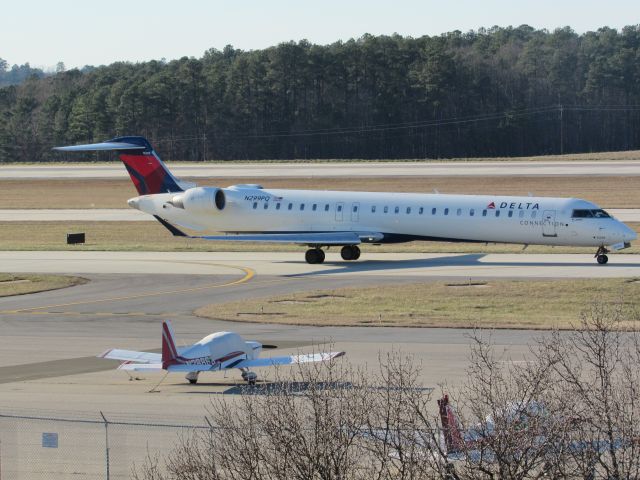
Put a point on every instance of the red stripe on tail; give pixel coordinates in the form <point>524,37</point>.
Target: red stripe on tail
<point>452,436</point>
<point>169,351</point>
<point>148,173</point>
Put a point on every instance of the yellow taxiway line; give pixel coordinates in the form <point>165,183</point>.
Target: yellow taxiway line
<point>248,275</point>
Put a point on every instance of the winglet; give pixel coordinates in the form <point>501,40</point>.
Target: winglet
<point>169,350</point>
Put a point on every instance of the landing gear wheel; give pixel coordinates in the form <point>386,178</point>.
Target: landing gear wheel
<point>346,252</point>
<point>601,255</point>
<point>314,255</point>
<point>192,377</point>
<point>249,377</point>
<point>350,252</point>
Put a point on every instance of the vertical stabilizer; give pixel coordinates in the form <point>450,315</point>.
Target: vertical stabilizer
<point>452,436</point>
<point>169,350</point>
<point>148,173</point>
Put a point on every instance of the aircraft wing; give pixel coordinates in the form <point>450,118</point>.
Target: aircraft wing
<point>328,238</point>
<point>131,356</point>
<point>156,367</point>
<point>288,360</point>
<point>141,367</point>
<point>303,238</point>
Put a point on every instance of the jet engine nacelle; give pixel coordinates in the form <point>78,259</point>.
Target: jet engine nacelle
<point>200,199</point>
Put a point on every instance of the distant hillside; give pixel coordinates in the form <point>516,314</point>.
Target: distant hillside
<point>497,92</point>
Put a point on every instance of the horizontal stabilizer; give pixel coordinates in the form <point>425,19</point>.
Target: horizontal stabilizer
<point>288,360</point>
<point>131,356</point>
<point>104,146</point>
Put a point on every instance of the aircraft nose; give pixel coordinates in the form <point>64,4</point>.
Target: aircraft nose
<point>628,234</point>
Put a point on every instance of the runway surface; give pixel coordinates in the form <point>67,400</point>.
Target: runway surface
<point>49,340</point>
<point>131,215</point>
<point>351,169</point>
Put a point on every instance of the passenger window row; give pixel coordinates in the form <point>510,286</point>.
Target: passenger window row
<point>434,210</point>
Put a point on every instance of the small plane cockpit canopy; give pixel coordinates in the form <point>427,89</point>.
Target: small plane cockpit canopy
<point>590,213</point>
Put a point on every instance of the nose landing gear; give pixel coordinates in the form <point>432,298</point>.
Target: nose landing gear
<point>601,255</point>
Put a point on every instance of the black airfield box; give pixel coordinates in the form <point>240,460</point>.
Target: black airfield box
<point>75,238</point>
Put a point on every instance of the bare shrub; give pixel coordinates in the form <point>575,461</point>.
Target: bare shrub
<point>596,371</point>
<point>569,409</point>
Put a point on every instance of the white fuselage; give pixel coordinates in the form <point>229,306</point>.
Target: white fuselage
<point>398,216</point>
<point>219,350</point>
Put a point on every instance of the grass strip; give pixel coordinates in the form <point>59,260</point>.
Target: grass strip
<point>21,284</point>
<point>538,304</point>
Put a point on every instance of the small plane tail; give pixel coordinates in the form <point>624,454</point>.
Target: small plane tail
<point>169,350</point>
<point>453,440</point>
<point>148,173</point>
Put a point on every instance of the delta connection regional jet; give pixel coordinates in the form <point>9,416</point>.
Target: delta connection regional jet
<point>320,219</point>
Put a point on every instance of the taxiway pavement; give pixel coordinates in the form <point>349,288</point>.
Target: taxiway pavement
<point>49,339</point>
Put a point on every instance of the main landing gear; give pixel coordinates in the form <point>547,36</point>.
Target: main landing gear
<point>601,255</point>
<point>192,377</point>
<point>350,252</point>
<point>316,255</point>
<point>249,377</point>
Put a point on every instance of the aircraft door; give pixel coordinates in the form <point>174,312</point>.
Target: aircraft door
<point>549,223</point>
<point>355,212</point>
<point>339,211</point>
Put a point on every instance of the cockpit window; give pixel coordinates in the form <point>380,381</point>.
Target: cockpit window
<point>590,214</point>
<point>582,214</point>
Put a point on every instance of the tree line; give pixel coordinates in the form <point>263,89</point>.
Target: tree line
<point>492,92</point>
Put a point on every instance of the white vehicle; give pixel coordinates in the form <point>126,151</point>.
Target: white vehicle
<point>215,352</point>
<point>321,219</point>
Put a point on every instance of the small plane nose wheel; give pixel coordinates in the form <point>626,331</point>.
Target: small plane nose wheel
<point>601,255</point>
<point>350,252</point>
<point>314,255</point>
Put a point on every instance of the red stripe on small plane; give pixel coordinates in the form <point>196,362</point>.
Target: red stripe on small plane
<point>229,356</point>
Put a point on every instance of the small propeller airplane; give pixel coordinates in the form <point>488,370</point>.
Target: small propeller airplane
<point>216,352</point>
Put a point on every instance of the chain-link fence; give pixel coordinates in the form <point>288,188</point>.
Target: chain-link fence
<point>43,447</point>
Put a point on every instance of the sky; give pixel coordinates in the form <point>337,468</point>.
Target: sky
<point>85,32</point>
